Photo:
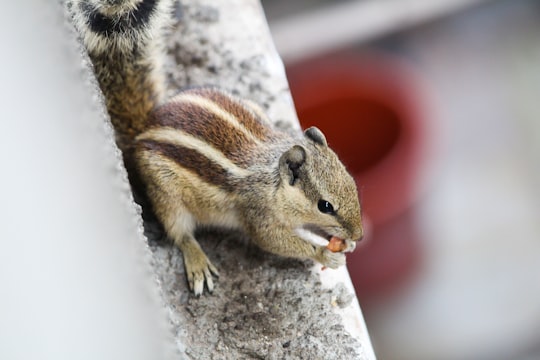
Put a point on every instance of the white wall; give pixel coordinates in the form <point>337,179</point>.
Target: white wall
<point>74,279</point>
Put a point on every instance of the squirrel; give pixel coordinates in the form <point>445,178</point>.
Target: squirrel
<point>208,158</point>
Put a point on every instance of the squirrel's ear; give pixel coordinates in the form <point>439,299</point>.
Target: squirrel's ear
<point>316,135</point>
<point>290,163</point>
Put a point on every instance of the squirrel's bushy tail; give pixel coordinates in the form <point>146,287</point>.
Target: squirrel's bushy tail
<point>124,41</point>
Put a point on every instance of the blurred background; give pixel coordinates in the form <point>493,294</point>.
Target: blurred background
<point>434,108</point>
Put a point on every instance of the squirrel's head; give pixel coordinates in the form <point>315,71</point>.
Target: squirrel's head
<point>319,195</point>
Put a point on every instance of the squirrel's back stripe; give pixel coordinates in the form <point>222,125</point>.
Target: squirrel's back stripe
<point>136,18</point>
<point>205,127</point>
<point>200,153</point>
<point>240,121</point>
<point>253,120</point>
<point>242,115</point>
<point>191,160</point>
<point>237,137</point>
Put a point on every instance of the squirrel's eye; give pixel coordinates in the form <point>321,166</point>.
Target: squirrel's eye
<point>325,207</point>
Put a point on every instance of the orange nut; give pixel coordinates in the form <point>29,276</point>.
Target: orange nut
<point>336,244</point>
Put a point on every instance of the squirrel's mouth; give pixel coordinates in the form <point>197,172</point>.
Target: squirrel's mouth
<point>314,235</point>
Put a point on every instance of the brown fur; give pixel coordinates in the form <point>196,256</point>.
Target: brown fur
<point>207,170</point>
<point>130,94</point>
<point>250,119</point>
<point>206,126</point>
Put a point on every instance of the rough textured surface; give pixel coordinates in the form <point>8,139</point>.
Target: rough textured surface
<point>263,307</point>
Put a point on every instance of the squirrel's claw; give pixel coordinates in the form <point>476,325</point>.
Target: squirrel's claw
<point>199,269</point>
<point>198,276</point>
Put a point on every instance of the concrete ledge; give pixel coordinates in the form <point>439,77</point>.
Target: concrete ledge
<point>264,306</point>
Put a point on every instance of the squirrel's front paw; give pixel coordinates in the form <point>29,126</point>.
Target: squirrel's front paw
<point>199,270</point>
<point>330,259</point>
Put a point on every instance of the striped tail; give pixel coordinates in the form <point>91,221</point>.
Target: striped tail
<point>123,40</point>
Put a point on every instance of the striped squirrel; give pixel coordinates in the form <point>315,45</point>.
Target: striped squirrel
<point>206,157</point>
